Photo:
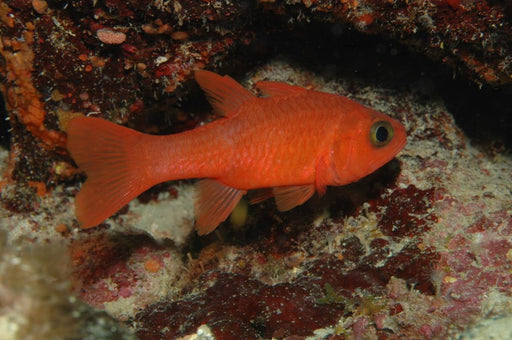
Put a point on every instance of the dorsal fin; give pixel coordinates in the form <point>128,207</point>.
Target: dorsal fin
<point>224,93</point>
<point>275,88</point>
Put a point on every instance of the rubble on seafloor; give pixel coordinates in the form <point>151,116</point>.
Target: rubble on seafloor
<point>421,249</point>
<point>35,297</point>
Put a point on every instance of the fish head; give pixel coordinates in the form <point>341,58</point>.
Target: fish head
<point>370,139</point>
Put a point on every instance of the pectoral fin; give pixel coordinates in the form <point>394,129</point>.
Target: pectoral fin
<point>323,174</point>
<point>288,197</point>
<point>214,204</point>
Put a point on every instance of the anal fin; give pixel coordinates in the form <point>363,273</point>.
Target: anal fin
<point>214,204</point>
<point>288,197</point>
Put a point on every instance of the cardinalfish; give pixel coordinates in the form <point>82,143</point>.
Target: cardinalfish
<point>292,142</point>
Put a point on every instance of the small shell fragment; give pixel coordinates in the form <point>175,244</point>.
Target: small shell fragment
<point>179,35</point>
<point>109,36</point>
<point>39,6</point>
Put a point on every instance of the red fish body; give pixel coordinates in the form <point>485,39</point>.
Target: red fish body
<point>295,141</point>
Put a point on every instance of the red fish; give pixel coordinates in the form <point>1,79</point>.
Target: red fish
<point>295,141</point>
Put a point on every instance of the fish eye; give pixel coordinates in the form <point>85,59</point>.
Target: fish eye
<point>381,133</point>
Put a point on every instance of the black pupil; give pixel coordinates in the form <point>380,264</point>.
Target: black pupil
<point>381,134</point>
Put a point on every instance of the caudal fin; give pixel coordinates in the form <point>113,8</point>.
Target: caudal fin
<point>110,156</point>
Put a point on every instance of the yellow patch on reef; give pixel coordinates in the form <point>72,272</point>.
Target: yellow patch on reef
<point>449,279</point>
<point>65,116</point>
<point>238,217</point>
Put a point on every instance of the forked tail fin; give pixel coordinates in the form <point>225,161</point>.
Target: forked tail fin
<point>112,157</point>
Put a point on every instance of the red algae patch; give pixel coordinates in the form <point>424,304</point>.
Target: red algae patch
<point>110,271</point>
<point>236,306</point>
<point>407,212</point>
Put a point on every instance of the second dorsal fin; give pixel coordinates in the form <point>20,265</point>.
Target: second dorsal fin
<point>224,93</point>
<point>276,89</point>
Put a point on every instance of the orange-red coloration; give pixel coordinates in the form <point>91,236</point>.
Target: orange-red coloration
<point>295,141</point>
<point>152,266</point>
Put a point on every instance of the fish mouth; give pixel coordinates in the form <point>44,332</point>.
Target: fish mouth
<point>353,171</point>
<point>400,147</point>
<point>393,150</point>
